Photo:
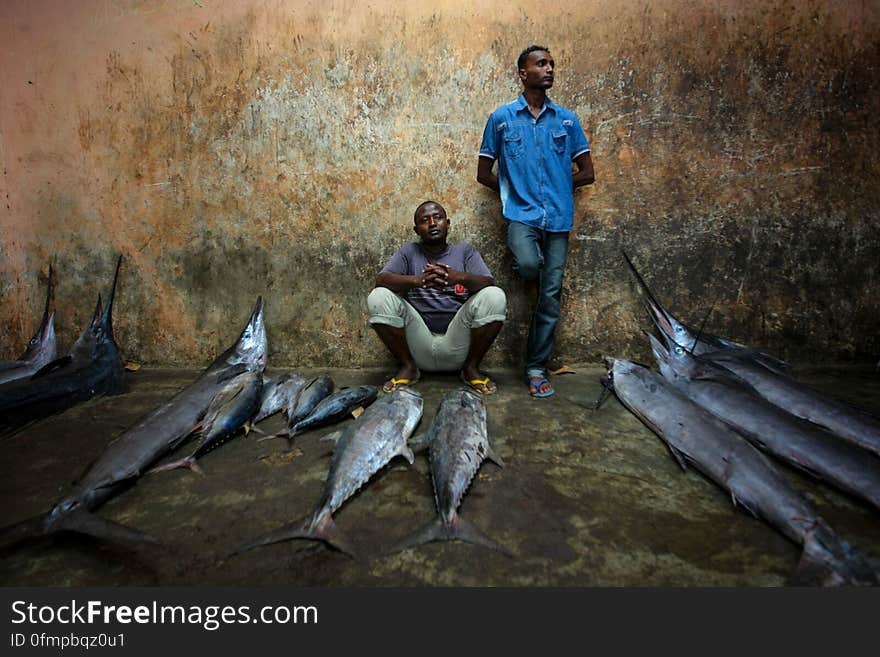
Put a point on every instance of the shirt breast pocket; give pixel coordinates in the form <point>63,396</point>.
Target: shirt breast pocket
<point>560,142</point>
<point>513,144</point>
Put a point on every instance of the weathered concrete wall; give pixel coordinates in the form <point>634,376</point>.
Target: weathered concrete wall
<point>279,147</point>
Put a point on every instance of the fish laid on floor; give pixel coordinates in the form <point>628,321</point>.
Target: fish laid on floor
<point>308,398</point>
<point>768,377</point>
<point>694,436</point>
<point>93,367</point>
<point>458,443</point>
<point>796,441</point>
<point>128,456</point>
<point>336,407</point>
<point>278,393</point>
<point>699,342</point>
<point>364,448</point>
<point>40,348</point>
<point>232,409</point>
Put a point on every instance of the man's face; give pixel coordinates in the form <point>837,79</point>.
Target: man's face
<point>538,70</point>
<point>431,224</point>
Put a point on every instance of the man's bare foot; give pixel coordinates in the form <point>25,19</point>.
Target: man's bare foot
<point>478,381</point>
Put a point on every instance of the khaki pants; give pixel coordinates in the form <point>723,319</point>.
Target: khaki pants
<point>438,352</point>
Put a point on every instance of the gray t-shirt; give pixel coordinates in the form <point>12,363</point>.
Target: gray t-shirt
<point>437,307</point>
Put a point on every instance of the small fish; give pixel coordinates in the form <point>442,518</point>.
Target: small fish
<point>336,407</point>
<point>308,399</point>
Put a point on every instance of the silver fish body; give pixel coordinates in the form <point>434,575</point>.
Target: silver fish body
<point>844,420</point>
<point>365,447</point>
<point>308,399</point>
<point>336,407</point>
<point>796,441</point>
<point>458,443</point>
<point>278,393</point>
<point>696,437</point>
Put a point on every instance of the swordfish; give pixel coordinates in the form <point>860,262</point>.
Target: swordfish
<point>40,348</point>
<point>695,436</point>
<point>92,368</point>
<point>770,428</point>
<point>698,342</point>
<point>128,456</point>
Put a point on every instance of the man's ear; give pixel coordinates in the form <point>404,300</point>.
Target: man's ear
<point>416,230</point>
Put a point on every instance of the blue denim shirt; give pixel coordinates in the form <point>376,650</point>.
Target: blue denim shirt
<point>534,162</point>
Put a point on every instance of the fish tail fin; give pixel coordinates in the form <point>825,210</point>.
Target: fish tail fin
<point>35,527</point>
<point>188,462</point>
<point>79,521</point>
<point>463,530</point>
<point>460,529</point>
<point>314,528</point>
<point>828,560</point>
<point>85,522</point>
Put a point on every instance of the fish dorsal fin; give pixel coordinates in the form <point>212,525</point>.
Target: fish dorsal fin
<point>48,368</point>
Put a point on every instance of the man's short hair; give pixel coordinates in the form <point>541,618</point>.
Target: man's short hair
<point>524,55</point>
<point>423,204</point>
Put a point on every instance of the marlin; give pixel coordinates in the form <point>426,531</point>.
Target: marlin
<point>696,437</point>
<point>364,448</point>
<point>40,348</point>
<point>127,457</point>
<point>698,342</point>
<point>798,442</point>
<point>92,368</point>
<point>458,443</point>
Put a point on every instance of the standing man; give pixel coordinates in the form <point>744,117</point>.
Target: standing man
<point>435,306</point>
<point>535,142</point>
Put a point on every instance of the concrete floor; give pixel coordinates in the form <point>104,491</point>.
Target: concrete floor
<point>587,498</point>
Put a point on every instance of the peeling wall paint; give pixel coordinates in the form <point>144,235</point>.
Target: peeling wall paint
<point>279,147</point>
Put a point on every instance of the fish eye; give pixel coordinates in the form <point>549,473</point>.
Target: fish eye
<point>34,341</point>
<point>679,350</point>
<point>678,329</point>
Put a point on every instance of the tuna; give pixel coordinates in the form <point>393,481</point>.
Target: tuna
<point>308,399</point>
<point>233,408</point>
<point>278,393</point>
<point>458,443</point>
<point>365,447</point>
<point>336,407</point>
<point>694,436</point>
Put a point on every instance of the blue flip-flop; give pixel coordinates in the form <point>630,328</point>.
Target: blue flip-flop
<point>538,385</point>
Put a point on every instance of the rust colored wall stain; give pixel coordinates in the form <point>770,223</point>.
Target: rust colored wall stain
<point>279,147</point>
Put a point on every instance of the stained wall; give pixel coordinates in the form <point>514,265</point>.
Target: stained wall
<point>278,147</point>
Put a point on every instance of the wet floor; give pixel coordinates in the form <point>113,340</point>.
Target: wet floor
<point>587,498</point>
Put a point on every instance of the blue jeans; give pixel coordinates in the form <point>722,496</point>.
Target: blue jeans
<point>541,256</point>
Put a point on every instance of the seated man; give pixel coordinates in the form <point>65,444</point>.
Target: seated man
<point>451,312</point>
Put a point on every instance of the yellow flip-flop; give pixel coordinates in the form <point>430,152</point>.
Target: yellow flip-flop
<point>473,383</point>
<point>393,384</point>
